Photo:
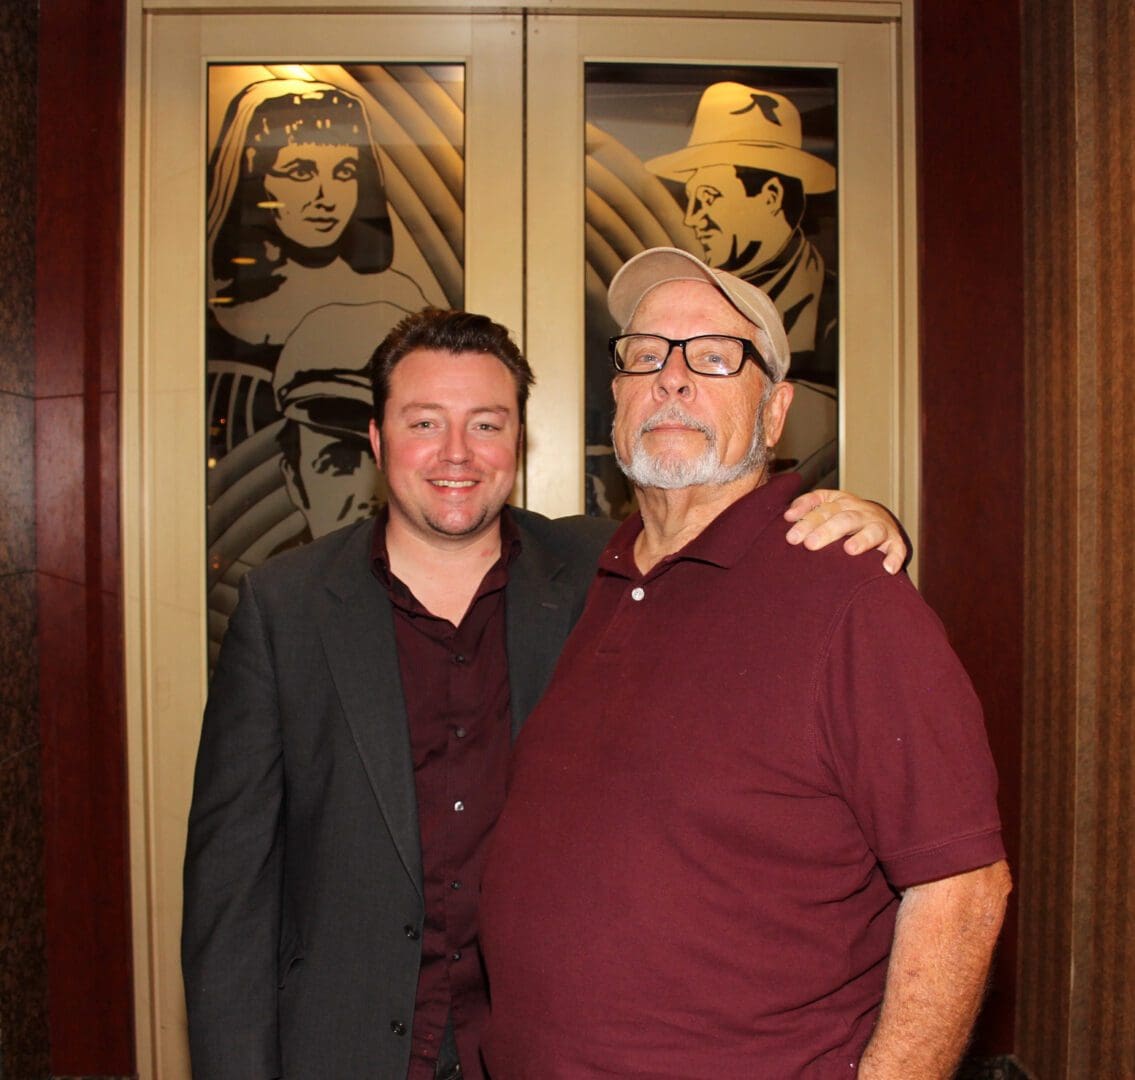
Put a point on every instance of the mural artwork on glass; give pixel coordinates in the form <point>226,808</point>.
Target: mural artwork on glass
<point>335,206</point>
<point>737,165</point>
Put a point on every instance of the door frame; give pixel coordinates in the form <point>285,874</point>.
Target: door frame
<point>155,902</point>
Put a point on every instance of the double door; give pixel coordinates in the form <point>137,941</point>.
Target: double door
<point>300,181</point>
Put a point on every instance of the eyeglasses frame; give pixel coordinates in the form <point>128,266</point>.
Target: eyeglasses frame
<point>749,351</point>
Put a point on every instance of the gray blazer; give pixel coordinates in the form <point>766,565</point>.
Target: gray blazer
<point>303,895</point>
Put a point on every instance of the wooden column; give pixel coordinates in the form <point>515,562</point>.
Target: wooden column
<point>1077,970</point>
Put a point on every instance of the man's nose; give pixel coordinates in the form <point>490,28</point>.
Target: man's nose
<point>675,378</point>
<point>455,446</point>
<point>693,212</point>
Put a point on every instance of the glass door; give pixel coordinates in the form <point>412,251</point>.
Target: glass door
<point>768,148</point>
<point>304,182</point>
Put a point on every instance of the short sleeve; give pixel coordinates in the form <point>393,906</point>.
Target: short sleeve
<point>902,733</point>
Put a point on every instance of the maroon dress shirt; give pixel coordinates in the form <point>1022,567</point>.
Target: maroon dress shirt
<point>455,685</point>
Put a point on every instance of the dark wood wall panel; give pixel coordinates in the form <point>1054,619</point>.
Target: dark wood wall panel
<point>972,365</point>
<point>1077,975</point>
<point>1105,928</point>
<point>1052,542</point>
<point>78,336</point>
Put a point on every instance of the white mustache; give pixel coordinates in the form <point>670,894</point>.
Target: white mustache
<point>675,414</point>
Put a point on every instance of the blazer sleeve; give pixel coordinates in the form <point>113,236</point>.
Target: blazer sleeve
<point>234,861</point>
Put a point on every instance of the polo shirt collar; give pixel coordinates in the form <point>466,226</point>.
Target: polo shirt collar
<point>722,542</point>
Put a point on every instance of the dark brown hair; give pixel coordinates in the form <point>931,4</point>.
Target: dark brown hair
<point>448,331</point>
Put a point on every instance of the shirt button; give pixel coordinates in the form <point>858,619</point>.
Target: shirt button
<point>456,956</point>
<point>459,658</point>
<point>397,1027</point>
<point>411,932</point>
<point>459,806</point>
<point>460,732</point>
<point>638,592</point>
<point>455,885</point>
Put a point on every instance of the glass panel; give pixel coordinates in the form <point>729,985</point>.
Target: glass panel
<point>737,165</point>
<point>335,206</point>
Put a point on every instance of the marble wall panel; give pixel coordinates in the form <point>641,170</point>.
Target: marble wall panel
<point>17,173</point>
<point>23,977</point>
<point>17,481</point>
<point>19,727</point>
<point>23,973</point>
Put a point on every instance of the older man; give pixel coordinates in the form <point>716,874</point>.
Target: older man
<point>751,829</point>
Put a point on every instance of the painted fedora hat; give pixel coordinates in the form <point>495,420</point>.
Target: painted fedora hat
<point>741,125</point>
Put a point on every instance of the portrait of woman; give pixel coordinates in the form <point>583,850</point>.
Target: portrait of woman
<point>297,215</point>
<point>318,243</point>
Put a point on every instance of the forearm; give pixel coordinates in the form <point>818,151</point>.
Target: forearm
<point>944,939</point>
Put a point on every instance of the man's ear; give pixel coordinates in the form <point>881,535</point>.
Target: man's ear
<point>772,193</point>
<point>776,411</point>
<point>375,443</point>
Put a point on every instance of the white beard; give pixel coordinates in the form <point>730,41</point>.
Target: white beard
<point>647,470</point>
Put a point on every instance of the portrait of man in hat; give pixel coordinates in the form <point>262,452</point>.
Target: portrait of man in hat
<point>747,178</point>
<point>323,391</point>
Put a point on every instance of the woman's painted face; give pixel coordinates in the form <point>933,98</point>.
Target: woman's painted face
<point>313,190</point>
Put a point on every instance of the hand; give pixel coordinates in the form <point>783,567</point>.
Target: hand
<point>822,516</point>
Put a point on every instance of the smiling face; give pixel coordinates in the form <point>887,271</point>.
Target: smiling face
<point>313,189</point>
<point>676,429</point>
<point>449,443</point>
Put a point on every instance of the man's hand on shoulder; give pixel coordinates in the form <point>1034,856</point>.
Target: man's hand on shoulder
<point>822,516</point>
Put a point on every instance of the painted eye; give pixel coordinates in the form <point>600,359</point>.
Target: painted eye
<point>343,457</point>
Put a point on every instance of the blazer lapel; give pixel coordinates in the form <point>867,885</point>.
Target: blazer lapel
<point>357,628</point>
<point>538,614</point>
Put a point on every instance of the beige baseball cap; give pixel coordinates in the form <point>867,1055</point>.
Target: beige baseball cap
<point>655,266</point>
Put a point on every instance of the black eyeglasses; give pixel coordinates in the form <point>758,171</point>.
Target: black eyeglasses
<point>707,354</point>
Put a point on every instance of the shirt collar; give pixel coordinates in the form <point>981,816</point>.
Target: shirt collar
<point>723,541</point>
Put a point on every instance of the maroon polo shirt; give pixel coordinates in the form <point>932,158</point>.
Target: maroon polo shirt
<point>742,756</point>
<point>455,685</point>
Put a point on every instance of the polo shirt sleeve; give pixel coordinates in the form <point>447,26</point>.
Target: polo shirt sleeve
<point>901,733</point>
